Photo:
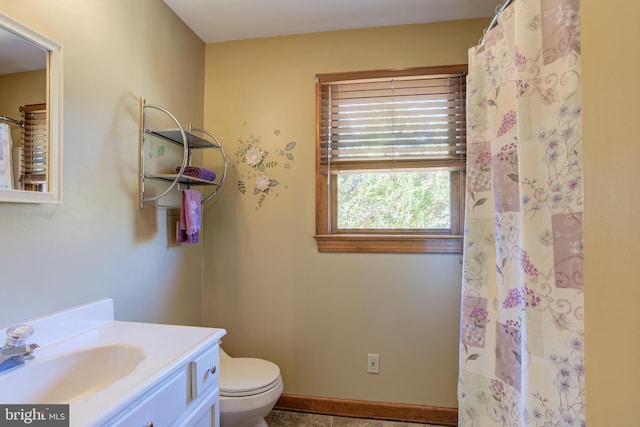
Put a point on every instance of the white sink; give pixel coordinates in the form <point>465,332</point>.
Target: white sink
<point>71,376</point>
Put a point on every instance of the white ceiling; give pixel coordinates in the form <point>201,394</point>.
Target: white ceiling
<point>224,20</point>
<point>18,55</point>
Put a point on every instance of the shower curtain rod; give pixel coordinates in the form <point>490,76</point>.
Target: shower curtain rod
<point>499,10</point>
<point>9,119</point>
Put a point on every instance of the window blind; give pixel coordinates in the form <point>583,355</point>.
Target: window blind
<point>34,147</point>
<point>389,123</point>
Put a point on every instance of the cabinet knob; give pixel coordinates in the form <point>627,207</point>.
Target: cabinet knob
<point>213,370</point>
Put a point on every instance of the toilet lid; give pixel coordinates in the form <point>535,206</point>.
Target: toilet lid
<point>242,376</point>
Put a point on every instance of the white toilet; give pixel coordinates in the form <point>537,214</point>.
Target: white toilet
<point>249,389</point>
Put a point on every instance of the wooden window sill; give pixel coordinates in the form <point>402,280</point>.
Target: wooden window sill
<point>390,244</point>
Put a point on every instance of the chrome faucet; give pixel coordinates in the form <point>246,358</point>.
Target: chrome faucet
<point>15,352</point>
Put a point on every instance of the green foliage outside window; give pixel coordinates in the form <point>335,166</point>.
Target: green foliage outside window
<point>394,200</point>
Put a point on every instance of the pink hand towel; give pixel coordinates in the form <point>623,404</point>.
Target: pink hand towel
<point>189,217</point>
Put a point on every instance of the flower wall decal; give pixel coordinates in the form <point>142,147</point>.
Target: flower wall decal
<point>257,170</point>
<point>263,183</point>
<point>155,149</point>
<point>253,156</point>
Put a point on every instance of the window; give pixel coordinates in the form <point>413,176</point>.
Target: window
<point>390,160</point>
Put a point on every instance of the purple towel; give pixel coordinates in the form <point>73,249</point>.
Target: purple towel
<point>197,172</point>
<point>189,217</point>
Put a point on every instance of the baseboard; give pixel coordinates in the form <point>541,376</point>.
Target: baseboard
<point>369,409</point>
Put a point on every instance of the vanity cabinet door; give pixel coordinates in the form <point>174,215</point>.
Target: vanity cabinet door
<point>160,408</point>
<point>205,371</point>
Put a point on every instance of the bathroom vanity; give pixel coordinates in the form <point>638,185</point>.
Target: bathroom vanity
<point>114,373</point>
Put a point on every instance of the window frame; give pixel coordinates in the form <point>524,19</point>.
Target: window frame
<point>384,241</point>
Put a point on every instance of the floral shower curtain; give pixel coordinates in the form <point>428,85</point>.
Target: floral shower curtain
<point>522,320</point>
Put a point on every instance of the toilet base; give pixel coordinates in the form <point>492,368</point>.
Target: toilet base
<point>246,423</point>
<point>248,411</point>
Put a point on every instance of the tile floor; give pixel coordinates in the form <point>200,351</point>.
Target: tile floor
<point>278,418</point>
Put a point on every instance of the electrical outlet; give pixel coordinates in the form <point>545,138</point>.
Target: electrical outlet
<point>373,363</point>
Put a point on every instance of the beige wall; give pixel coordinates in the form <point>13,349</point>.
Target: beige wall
<point>98,243</point>
<point>29,87</point>
<point>612,241</point>
<point>319,315</point>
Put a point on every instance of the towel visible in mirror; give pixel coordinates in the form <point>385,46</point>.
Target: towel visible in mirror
<point>6,173</point>
<point>189,217</point>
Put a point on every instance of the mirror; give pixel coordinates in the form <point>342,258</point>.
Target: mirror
<point>30,115</point>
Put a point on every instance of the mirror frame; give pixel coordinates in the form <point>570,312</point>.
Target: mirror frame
<point>54,116</point>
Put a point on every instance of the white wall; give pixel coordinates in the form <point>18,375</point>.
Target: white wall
<point>98,243</point>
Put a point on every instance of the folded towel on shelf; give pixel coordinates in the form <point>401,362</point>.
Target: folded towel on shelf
<point>189,217</point>
<point>196,172</point>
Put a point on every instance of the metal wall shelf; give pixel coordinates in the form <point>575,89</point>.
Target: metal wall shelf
<point>174,135</point>
<point>188,140</point>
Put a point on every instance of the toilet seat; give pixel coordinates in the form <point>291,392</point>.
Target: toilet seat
<point>243,376</point>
